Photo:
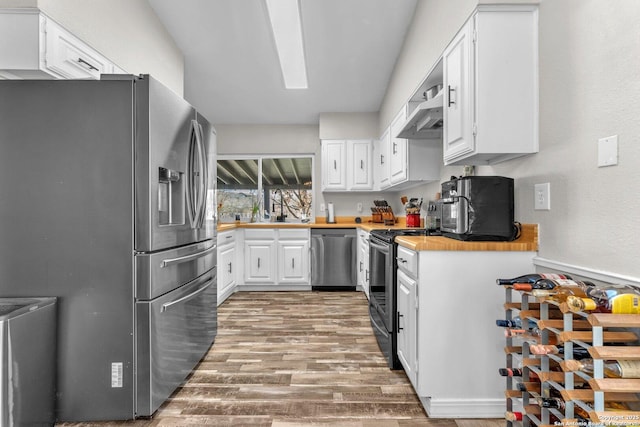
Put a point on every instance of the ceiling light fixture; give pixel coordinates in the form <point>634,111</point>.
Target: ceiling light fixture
<point>287,33</point>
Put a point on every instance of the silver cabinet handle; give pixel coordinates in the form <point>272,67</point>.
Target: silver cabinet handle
<point>399,317</point>
<point>229,267</point>
<point>168,305</point>
<point>382,159</point>
<point>395,148</point>
<point>186,258</point>
<point>361,164</point>
<point>402,260</point>
<point>450,89</point>
<point>258,262</point>
<point>335,165</point>
<point>293,263</point>
<point>89,65</point>
<point>360,267</point>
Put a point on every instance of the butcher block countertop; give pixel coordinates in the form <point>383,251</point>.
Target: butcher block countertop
<point>527,242</point>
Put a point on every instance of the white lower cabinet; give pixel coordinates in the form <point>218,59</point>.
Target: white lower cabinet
<point>362,272</point>
<point>407,327</point>
<point>276,259</point>
<point>448,343</point>
<point>227,264</point>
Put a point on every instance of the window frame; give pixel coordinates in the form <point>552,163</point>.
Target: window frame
<point>260,158</point>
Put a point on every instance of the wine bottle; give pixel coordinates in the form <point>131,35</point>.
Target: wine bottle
<point>616,299</point>
<point>530,334</point>
<point>516,372</point>
<point>531,278</point>
<point>552,284</point>
<point>516,322</point>
<point>541,349</point>
<point>560,293</point>
<point>513,416</point>
<point>612,369</point>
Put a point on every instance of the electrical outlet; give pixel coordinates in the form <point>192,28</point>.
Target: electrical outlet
<point>542,197</point>
<point>608,151</point>
<point>359,207</point>
<point>322,207</point>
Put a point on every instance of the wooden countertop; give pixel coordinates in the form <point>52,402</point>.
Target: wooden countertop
<point>341,222</point>
<point>527,242</point>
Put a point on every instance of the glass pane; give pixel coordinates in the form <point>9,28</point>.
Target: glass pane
<point>287,184</point>
<point>237,194</point>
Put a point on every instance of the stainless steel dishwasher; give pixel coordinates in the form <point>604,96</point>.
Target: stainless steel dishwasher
<point>333,259</point>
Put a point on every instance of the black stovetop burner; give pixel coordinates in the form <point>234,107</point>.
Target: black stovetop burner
<point>387,235</point>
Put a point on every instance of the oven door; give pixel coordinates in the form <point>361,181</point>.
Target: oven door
<point>381,284</point>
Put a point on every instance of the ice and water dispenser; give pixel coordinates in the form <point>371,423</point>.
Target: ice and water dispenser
<point>170,196</point>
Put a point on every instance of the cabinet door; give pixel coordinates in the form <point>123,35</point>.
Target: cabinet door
<point>260,260</point>
<point>333,165</point>
<point>70,57</point>
<point>382,161</point>
<point>457,135</point>
<point>226,267</point>
<point>398,151</point>
<point>360,165</point>
<point>407,327</point>
<point>293,261</point>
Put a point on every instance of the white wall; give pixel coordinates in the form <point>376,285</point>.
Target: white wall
<point>589,89</point>
<point>127,32</point>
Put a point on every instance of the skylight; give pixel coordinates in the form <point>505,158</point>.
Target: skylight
<point>287,33</point>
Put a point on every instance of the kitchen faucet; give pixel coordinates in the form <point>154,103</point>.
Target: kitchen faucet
<point>281,217</point>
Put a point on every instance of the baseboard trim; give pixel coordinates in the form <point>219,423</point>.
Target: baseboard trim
<point>464,408</point>
<point>587,273</point>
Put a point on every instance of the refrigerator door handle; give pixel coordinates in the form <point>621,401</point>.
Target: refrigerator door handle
<point>201,209</point>
<point>193,140</point>
<point>186,258</point>
<point>166,306</point>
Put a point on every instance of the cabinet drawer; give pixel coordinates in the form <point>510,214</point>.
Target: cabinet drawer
<point>292,233</point>
<point>408,261</point>
<point>260,234</point>
<point>226,237</point>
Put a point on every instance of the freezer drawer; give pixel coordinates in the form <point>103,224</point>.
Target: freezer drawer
<point>174,332</point>
<point>160,272</point>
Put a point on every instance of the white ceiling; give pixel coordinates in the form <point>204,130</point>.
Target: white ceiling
<point>232,73</point>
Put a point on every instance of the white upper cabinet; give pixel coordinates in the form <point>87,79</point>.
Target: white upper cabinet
<point>40,48</point>
<point>347,165</point>
<point>490,79</point>
<point>410,161</point>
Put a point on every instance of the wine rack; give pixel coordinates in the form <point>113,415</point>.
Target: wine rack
<point>585,396</point>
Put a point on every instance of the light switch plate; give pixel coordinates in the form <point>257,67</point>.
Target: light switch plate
<point>608,151</point>
<point>542,197</point>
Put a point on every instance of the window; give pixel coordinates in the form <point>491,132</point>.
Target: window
<point>265,188</point>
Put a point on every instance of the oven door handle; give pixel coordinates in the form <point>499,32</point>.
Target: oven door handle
<point>378,246</point>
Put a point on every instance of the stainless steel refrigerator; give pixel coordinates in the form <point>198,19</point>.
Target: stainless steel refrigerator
<point>107,202</point>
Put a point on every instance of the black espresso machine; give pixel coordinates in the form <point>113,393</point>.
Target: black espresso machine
<point>478,208</point>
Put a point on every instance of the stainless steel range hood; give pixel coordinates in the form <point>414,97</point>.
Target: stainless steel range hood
<point>425,122</point>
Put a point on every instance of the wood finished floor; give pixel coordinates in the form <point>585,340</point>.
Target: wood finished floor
<point>284,359</point>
